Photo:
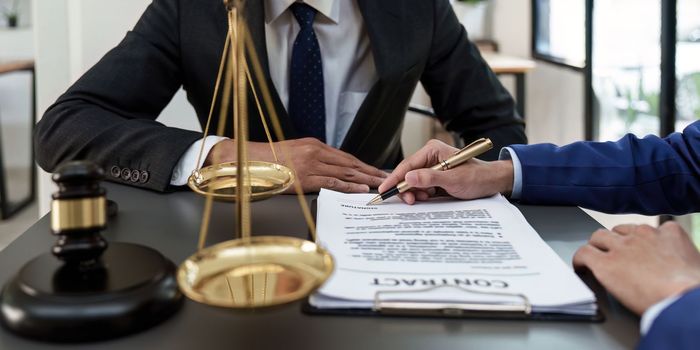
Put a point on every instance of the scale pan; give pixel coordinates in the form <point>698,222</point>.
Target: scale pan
<point>257,272</point>
<point>219,180</point>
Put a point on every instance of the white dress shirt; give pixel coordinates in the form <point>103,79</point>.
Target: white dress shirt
<point>508,153</point>
<point>349,71</point>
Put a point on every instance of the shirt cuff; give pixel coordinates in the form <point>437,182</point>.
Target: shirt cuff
<point>654,311</point>
<point>507,153</point>
<point>186,165</point>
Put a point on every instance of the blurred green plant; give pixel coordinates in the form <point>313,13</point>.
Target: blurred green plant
<point>11,13</point>
<point>695,78</point>
<point>688,97</point>
<point>639,102</point>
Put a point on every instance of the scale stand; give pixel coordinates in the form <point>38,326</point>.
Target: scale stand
<point>249,272</point>
<point>85,289</point>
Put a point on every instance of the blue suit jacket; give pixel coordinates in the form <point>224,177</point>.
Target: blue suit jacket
<point>677,327</point>
<point>651,175</point>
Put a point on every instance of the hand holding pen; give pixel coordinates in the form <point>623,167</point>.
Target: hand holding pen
<point>461,176</point>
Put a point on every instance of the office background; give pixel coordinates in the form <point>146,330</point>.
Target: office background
<point>66,37</point>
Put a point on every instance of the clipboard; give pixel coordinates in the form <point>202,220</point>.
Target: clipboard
<point>384,305</point>
<point>464,310</point>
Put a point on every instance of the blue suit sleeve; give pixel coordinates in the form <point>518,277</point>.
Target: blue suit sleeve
<point>677,327</point>
<point>649,176</point>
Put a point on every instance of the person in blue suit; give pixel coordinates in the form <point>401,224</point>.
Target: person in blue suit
<point>655,272</point>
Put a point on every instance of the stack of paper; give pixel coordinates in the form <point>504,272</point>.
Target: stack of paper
<point>484,245</point>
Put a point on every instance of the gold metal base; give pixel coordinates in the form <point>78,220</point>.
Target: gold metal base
<point>266,180</point>
<point>256,272</point>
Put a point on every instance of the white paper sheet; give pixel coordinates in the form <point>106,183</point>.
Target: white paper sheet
<point>484,244</point>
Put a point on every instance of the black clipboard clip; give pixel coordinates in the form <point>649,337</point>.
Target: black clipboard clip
<point>399,303</point>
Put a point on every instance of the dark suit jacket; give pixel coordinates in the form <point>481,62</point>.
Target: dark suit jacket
<point>677,327</point>
<point>109,115</point>
<point>647,176</point>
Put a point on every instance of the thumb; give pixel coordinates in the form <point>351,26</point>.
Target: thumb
<point>426,178</point>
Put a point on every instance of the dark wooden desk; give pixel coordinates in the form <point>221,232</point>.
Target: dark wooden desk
<point>170,223</point>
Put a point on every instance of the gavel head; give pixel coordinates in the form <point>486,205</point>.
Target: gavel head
<point>79,213</point>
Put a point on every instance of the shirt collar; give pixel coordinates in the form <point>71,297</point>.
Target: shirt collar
<point>328,8</point>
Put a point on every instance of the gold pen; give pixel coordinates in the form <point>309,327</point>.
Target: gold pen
<point>472,150</point>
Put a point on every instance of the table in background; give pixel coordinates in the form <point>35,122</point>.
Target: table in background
<point>509,65</point>
<point>7,208</point>
<point>500,65</point>
<point>170,223</point>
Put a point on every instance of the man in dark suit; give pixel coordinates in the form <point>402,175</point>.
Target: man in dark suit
<point>654,272</point>
<point>372,55</point>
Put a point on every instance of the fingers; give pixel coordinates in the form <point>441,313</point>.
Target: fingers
<point>408,197</point>
<point>588,256</point>
<point>604,239</point>
<point>350,175</point>
<point>314,183</point>
<point>671,226</point>
<point>337,157</point>
<point>625,229</point>
<point>674,230</point>
<point>422,195</point>
<point>307,150</point>
<point>427,156</point>
<point>428,178</point>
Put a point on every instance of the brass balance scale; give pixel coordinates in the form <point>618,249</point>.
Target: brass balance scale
<point>248,272</point>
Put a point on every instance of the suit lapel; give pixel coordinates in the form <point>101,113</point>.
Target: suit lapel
<point>383,21</point>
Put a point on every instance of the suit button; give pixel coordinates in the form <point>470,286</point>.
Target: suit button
<point>115,171</point>
<point>144,177</point>
<point>126,174</point>
<point>135,176</point>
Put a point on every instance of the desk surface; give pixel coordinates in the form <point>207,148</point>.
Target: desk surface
<point>503,64</point>
<point>170,223</point>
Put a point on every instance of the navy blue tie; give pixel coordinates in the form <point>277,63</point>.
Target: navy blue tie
<point>307,107</point>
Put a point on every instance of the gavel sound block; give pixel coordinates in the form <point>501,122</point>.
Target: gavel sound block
<point>86,289</point>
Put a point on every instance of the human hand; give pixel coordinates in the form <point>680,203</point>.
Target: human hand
<point>641,265</point>
<point>474,179</point>
<point>316,164</point>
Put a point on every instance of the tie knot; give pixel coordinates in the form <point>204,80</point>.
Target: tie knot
<point>304,14</point>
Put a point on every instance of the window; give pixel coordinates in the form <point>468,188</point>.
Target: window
<point>626,68</point>
<point>559,32</point>
<point>687,63</point>
<point>644,75</point>
<point>688,75</point>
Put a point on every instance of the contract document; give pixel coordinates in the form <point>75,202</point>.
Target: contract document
<point>483,245</point>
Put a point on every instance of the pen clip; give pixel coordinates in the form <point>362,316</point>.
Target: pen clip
<point>470,145</point>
